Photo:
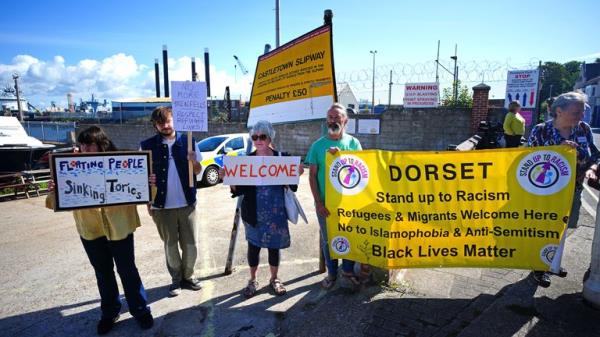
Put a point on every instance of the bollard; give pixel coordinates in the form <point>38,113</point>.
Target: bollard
<point>591,287</point>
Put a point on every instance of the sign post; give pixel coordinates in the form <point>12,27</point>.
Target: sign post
<point>522,86</point>
<point>295,81</point>
<point>421,95</point>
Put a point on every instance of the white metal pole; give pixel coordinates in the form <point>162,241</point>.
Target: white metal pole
<point>591,287</point>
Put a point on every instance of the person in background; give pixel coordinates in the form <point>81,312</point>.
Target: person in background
<point>335,140</point>
<point>514,125</point>
<point>107,237</point>
<point>587,113</point>
<point>174,206</point>
<point>264,215</point>
<point>549,114</point>
<point>567,128</point>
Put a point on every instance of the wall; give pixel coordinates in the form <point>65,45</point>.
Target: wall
<point>400,130</point>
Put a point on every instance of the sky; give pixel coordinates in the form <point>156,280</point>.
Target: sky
<point>107,48</point>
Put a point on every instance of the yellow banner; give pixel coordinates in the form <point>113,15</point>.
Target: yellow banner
<point>300,69</point>
<point>485,208</point>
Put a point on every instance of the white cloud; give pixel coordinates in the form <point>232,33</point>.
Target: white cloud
<point>588,57</point>
<point>115,77</point>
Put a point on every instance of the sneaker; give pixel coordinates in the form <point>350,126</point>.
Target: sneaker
<point>561,273</point>
<point>174,289</point>
<point>192,284</point>
<point>106,324</point>
<point>146,321</point>
<point>542,278</point>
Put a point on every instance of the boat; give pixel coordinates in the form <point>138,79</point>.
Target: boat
<point>18,151</point>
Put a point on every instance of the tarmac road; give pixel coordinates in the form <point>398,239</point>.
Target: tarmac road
<point>47,287</point>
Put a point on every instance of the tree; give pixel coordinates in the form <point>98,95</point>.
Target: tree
<point>465,99</point>
<point>558,78</point>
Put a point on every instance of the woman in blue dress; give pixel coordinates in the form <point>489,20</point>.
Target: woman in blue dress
<point>264,215</point>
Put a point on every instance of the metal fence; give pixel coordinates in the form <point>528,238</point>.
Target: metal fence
<point>50,131</point>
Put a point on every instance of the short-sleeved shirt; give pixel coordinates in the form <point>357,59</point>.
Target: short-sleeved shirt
<point>545,134</point>
<point>514,124</point>
<point>317,151</point>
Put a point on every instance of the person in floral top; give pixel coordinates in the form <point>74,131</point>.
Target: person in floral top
<point>567,128</point>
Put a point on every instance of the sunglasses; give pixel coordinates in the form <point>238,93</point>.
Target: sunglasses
<point>261,137</point>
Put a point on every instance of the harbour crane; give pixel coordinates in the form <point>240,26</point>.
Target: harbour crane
<point>242,68</point>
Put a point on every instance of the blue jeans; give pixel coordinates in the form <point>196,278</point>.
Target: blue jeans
<point>332,265</point>
<point>102,253</point>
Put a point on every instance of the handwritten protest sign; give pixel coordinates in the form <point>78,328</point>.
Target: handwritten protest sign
<point>189,106</point>
<point>261,170</point>
<point>489,208</point>
<point>100,179</point>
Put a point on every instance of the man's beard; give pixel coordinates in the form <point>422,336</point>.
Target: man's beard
<point>334,129</point>
<point>167,133</point>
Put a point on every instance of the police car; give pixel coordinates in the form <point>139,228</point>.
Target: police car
<point>213,149</point>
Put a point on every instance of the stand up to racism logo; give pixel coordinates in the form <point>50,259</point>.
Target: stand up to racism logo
<point>544,172</point>
<point>349,175</point>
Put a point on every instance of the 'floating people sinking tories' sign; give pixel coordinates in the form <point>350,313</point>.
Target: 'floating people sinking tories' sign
<point>295,81</point>
<point>100,179</point>
<point>188,100</point>
<point>489,208</point>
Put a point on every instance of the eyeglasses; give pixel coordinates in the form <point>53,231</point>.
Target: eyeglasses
<point>261,137</point>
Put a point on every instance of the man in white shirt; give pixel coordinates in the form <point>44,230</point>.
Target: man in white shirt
<point>174,206</point>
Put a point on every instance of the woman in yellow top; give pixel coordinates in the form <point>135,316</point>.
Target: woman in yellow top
<point>514,125</point>
<point>107,237</point>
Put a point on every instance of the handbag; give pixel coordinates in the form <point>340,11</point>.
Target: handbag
<point>594,183</point>
<point>292,206</point>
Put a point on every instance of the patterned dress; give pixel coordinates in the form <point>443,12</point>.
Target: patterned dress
<point>272,229</point>
<point>545,134</point>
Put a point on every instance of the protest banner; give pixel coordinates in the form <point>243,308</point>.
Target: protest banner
<point>100,179</point>
<point>295,81</point>
<point>421,95</point>
<point>489,208</point>
<point>261,170</point>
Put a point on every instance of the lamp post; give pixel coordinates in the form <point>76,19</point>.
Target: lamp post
<point>373,85</point>
<point>15,77</point>
<point>455,75</point>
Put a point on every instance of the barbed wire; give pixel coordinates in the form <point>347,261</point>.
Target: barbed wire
<point>469,71</point>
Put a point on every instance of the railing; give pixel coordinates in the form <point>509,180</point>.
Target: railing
<point>50,131</point>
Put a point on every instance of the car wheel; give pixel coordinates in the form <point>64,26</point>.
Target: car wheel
<point>211,176</point>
